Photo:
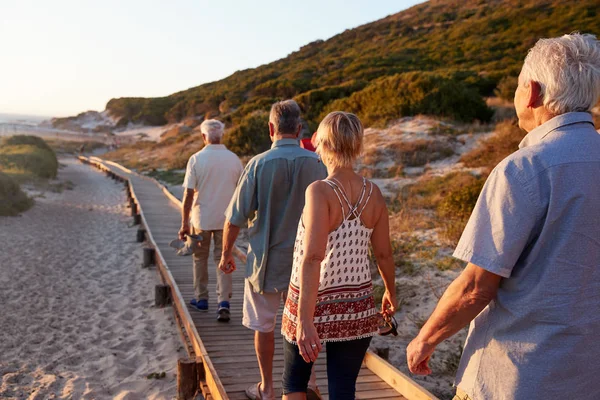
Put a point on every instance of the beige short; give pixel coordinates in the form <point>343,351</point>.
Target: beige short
<point>260,310</point>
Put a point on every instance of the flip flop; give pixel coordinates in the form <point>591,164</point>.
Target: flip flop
<point>254,393</point>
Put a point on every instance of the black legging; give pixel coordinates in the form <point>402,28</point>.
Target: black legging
<point>344,360</point>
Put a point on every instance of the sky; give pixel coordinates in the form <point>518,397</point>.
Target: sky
<point>62,57</point>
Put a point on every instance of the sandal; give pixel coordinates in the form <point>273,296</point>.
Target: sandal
<point>313,393</point>
<point>254,392</point>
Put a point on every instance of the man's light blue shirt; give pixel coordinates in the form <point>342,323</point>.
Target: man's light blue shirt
<point>537,224</point>
<point>269,198</point>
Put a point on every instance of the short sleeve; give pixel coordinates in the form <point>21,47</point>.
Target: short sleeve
<point>190,181</point>
<point>500,226</point>
<point>244,201</point>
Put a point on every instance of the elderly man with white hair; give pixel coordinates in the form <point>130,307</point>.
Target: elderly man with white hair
<point>210,180</point>
<point>531,289</point>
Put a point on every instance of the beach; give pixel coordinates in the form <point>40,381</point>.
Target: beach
<point>77,310</point>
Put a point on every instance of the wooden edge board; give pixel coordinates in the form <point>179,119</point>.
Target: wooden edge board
<point>396,379</point>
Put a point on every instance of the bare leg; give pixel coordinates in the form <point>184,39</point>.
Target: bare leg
<point>312,382</point>
<point>264,344</point>
<point>295,396</point>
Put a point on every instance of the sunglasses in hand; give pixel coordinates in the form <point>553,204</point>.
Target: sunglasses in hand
<point>388,325</point>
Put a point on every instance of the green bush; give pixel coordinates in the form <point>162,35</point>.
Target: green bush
<point>506,88</point>
<point>459,203</point>
<point>12,199</point>
<point>28,162</point>
<point>27,140</point>
<point>251,136</point>
<point>456,208</point>
<point>414,93</point>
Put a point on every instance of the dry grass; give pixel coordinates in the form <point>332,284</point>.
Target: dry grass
<point>72,147</point>
<point>429,191</point>
<point>415,153</point>
<point>172,153</point>
<point>504,142</point>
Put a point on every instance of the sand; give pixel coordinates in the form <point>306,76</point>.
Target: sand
<point>77,316</point>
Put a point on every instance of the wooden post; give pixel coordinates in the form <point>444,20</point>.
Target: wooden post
<point>141,235</point>
<point>162,295</point>
<point>149,257</point>
<point>200,370</point>
<point>137,219</point>
<point>134,210</point>
<point>187,379</point>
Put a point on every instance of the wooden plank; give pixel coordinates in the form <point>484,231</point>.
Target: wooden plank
<point>396,379</point>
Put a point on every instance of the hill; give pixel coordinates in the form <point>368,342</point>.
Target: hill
<point>467,46</point>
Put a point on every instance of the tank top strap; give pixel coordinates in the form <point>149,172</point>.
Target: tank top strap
<point>352,209</point>
<point>337,192</point>
<point>367,200</point>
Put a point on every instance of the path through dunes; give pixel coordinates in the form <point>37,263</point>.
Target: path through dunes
<point>76,309</point>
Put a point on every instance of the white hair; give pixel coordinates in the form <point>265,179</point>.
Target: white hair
<point>568,71</point>
<point>213,129</point>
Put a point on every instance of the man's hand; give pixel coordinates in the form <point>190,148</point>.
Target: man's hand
<point>418,354</point>
<point>227,264</point>
<point>185,230</point>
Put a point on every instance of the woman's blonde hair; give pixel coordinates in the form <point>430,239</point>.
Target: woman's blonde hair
<point>340,139</point>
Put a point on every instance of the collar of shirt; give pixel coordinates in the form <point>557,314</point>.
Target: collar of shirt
<point>285,142</point>
<point>211,146</point>
<point>539,133</point>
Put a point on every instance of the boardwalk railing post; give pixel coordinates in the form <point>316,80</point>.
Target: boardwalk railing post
<point>141,235</point>
<point>149,257</point>
<point>162,295</point>
<point>187,379</point>
<point>134,209</point>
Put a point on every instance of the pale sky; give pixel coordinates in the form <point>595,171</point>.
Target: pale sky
<point>61,57</point>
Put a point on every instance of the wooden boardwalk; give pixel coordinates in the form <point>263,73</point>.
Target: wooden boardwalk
<point>227,349</point>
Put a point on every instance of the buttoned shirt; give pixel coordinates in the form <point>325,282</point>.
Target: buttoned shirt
<point>269,198</point>
<point>537,225</point>
<point>212,173</point>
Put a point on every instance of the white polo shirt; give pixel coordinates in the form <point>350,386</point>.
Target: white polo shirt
<point>213,173</point>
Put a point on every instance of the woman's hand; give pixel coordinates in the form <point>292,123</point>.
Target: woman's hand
<point>308,341</point>
<point>389,303</point>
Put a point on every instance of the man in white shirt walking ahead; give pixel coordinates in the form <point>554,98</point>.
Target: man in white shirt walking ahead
<point>210,180</point>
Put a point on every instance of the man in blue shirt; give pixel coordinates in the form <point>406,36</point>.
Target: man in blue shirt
<point>532,285</point>
<point>269,199</point>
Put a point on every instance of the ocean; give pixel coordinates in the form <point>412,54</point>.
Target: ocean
<point>22,119</point>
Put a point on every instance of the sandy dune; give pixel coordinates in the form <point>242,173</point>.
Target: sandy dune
<point>77,317</point>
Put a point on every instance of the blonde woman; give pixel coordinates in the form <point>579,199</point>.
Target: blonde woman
<point>330,298</point>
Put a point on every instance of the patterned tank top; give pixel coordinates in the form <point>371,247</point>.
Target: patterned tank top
<point>345,307</point>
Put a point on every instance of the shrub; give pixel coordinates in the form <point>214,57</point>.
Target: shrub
<point>251,136</point>
<point>12,199</point>
<point>414,93</point>
<point>455,209</point>
<point>429,191</point>
<point>506,88</point>
<point>27,140</point>
<point>459,203</point>
<point>504,142</point>
<point>27,157</point>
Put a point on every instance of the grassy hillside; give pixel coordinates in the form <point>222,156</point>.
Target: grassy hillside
<point>486,40</point>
